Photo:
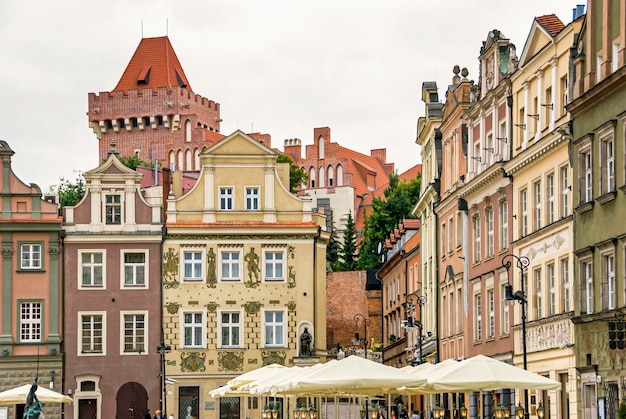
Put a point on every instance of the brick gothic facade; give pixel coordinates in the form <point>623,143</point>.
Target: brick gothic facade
<point>153,111</point>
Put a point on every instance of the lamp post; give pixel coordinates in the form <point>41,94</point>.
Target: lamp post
<point>521,262</point>
<point>163,349</point>
<point>358,340</point>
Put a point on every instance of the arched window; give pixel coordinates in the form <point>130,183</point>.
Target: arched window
<point>180,160</point>
<point>172,161</point>
<point>339,180</point>
<point>331,176</point>
<point>188,159</point>
<point>321,180</point>
<point>320,148</point>
<point>312,177</point>
<point>188,131</point>
<point>196,154</point>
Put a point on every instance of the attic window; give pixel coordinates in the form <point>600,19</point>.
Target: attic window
<point>180,81</point>
<point>144,76</point>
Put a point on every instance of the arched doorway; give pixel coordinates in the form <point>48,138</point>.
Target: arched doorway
<point>132,401</point>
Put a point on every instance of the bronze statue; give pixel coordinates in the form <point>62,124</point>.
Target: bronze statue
<point>305,343</point>
<point>33,407</point>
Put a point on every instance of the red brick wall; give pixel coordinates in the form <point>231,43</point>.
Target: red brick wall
<point>346,296</point>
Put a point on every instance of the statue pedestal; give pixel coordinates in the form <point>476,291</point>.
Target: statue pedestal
<point>305,361</point>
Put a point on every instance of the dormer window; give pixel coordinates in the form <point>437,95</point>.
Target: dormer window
<point>113,209</point>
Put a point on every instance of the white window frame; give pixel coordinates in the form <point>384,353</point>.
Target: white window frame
<point>490,233</point>
<point>193,263</point>
<point>193,326</point>
<point>506,325</point>
<point>91,266</point>
<point>31,321</point>
<point>537,202</point>
<point>226,198</point>
<point>271,264</point>
<point>136,332</point>
<point>538,283</point>
<point>252,198</point>
<point>615,55</point>
<point>608,267</point>
<point>503,212</point>
<point>551,282</point>
<point>492,314</point>
<point>273,325</point>
<point>565,283</point>
<point>607,163</point>
<point>550,212</point>
<point>565,190</point>
<point>228,264</point>
<point>103,337</point>
<point>444,242</point>
<point>586,273</point>
<point>523,199</point>
<point>476,232</point>
<point>31,256</point>
<point>586,174</point>
<point>113,208</point>
<point>135,268</point>
<point>239,326</point>
<point>450,235</point>
<point>478,322</point>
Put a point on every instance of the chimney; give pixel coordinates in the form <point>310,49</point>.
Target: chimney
<point>578,11</point>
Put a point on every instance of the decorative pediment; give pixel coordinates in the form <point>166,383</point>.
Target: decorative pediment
<point>542,33</point>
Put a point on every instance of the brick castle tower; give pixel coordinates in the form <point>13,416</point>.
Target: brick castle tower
<point>153,111</point>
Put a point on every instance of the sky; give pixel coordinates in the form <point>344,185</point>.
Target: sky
<point>281,67</point>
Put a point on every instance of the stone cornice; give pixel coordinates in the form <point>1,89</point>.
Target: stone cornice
<point>495,171</point>
<point>535,152</point>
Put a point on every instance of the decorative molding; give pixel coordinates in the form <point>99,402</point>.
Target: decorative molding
<point>230,361</point>
<point>291,273</point>
<point>252,261</point>
<point>273,357</point>
<point>192,362</point>
<point>172,308</point>
<point>212,306</point>
<point>291,306</point>
<point>211,275</point>
<point>242,237</point>
<point>252,307</point>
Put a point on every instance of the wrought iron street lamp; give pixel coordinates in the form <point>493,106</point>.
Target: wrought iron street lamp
<point>163,349</point>
<point>357,339</point>
<point>521,262</point>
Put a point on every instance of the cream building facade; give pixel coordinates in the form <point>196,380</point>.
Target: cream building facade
<point>542,208</point>
<point>244,279</point>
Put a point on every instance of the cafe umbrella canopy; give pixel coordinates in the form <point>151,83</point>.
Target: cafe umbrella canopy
<point>18,395</point>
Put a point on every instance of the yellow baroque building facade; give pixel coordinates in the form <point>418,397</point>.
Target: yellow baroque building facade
<point>244,279</point>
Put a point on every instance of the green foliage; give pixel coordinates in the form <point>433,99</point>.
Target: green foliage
<point>401,197</point>
<point>349,248</point>
<point>621,410</point>
<point>133,162</point>
<point>70,193</point>
<point>297,175</point>
<point>333,249</point>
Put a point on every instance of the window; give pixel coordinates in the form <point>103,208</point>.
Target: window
<point>459,229</point>
<point>450,236</point>
<point>92,333</point>
<point>599,61</point>
<point>538,293</point>
<point>274,328</point>
<point>504,307</point>
<point>444,242</point>
<point>113,209</point>
<point>523,202</point>
<point>476,231</point>
<point>134,265</point>
<point>489,149</point>
<point>226,198</point>
<point>503,212</point>
<point>230,265</point>
<point>274,265</point>
<point>615,56</point>
<point>552,284</point>
<point>565,95</point>
<point>492,315</point>
<point>586,272</point>
<point>30,256</point>
<point>550,197</point>
<point>476,158</point>
<point>489,225</point>
<point>30,322</point>
<point>566,284</point>
<point>231,330</point>
<point>134,327</point>
<point>478,322</point>
<point>537,215</point>
<point>586,191</point>
<point>252,199</point>
<point>193,326</point>
<point>607,164</point>
<point>192,266</point>
<point>608,266</point>
<point>92,269</point>
<point>565,188</point>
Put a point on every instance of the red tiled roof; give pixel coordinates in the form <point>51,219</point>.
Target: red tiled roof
<point>551,23</point>
<point>154,64</point>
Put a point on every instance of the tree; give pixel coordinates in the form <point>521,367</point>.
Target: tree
<point>134,161</point>
<point>70,193</point>
<point>297,175</point>
<point>386,214</point>
<point>349,248</point>
<point>333,249</point>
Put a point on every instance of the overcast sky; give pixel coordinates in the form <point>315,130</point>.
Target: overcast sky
<point>276,67</point>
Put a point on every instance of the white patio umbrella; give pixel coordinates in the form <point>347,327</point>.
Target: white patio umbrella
<point>234,386</point>
<point>18,395</point>
<point>352,375</point>
<point>482,373</point>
